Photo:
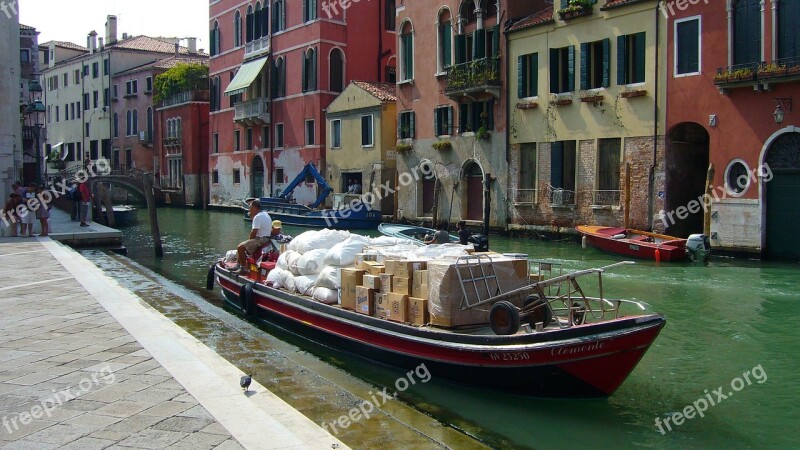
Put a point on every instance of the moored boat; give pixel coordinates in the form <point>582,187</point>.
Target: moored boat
<point>124,215</point>
<point>409,232</point>
<point>570,346</point>
<point>635,243</point>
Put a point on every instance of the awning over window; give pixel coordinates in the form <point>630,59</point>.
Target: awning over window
<point>245,76</point>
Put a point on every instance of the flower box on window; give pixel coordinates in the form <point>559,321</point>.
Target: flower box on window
<point>442,145</point>
<point>575,8</point>
<point>527,105</point>
<point>404,147</point>
<point>633,94</point>
<point>592,99</point>
<point>561,102</point>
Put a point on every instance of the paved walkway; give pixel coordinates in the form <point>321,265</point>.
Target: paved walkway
<point>85,364</point>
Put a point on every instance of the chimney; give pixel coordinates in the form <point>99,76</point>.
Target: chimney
<point>124,36</point>
<point>111,30</point>
<point>100,43</point>
<point>91,41</point>
<point>192,45</point>
<point>177,49</point>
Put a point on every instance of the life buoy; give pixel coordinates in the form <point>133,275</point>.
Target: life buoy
<point>246,299</point>
<point>210,277</point>
<point>504,318</point>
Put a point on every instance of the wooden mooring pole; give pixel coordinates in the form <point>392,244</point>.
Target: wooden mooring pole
<point>150,198</point>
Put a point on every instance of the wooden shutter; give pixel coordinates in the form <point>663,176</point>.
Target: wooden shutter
<point>585,65</point>
<point>436,122</point>
<point>639,57</point>
<point>606,62</point>
<point>533,75</point>
<point>450,120</point>
<point>248,19</point>
<point>314,59</point>
<point>463,110</point>
<point>557,164</point>
<point>461,48</point>
<point>622,60</point>
<point>447,44</point>
<point>490,113</point>
<point>571,69</point>
<point>554,70</point>
<point>479,44</point>
<point>522,76</point>
<point>412,124</point>
<point>305,14</point>
<point>304,72</point>
<point>495,41</point>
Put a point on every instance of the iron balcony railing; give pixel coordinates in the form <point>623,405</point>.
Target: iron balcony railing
<point>606,198</point>
<point>185,97</point>
<point>473,76</point>
<point>773,71</point>
<point>561,197</point>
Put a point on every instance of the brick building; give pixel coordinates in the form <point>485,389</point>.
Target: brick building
<point>733,70</point>
<point>275,66</point>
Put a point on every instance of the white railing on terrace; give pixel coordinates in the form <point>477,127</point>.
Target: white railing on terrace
<point>561,197</point>
<point>253,109</point>
<point>257,46</point>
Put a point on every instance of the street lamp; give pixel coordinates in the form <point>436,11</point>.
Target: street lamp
<point>32,110</point>
<point>779,112</point>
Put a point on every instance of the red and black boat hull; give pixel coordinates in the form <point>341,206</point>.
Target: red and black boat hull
<point>585,361</point>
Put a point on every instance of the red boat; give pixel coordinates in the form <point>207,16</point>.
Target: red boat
<point>570,345</point>
<point>634,243</point>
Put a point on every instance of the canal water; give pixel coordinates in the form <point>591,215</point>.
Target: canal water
<point>730,347</point>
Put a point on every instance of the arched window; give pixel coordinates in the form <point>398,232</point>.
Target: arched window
<point>445,41</point>
<point>467,12</point>
<point>149,123</point>
<point>135,122</point>
<point>279,16</point>
<point>747,31</point>
<point>336,70</point>
<point>237,29</point>
<point>489,8</point>
<point>116,125</point>
<point>257,22</point>
<point>279,78</point>
<point>264,22</point>
<point>129,123</point>
<point>310,70</point>
<point>215,39</point>
<point>788,29</point>
<point>407,52</point>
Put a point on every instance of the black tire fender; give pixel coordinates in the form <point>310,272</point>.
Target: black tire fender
<point>246,299</point>
<point>210,277</point>
<point>504,318</point>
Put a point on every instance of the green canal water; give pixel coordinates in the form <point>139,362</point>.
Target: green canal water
<point>724,319</point>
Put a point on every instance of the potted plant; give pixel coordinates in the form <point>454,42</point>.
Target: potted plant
<point>482,133</point>
<point>575,8</point>
<point>734,75</point>
<point>771,70</point>
<point>404,147</point>
<point>442,145</point>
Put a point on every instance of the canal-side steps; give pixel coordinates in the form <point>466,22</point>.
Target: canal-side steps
<point>84,363</point>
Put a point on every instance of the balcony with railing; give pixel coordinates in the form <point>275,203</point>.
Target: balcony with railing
<point>524,197</point>
<point>253,112</point>
<point>605,199</point>
<point>480,75</point>
<point>185,97</point>
<point>257,47</point>
<point>561,197</point>
<point>172,141</point>
<point>784,70</point>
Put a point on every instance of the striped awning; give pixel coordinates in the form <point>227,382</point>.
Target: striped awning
<point>245,76</point>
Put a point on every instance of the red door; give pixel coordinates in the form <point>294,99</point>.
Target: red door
<point>474,193</point>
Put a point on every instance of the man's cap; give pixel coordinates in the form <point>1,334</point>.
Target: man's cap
<point>276,224</point>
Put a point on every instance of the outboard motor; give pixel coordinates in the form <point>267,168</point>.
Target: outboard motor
<point>698,247</point>
<point>480,242</point>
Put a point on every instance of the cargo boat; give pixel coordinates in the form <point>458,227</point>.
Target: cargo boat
<point>571,346</point>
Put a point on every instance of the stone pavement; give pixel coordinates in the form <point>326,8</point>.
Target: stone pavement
<point>85,364</point>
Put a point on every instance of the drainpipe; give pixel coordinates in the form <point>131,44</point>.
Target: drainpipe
<point>652,176</point>
<point>380,41</point>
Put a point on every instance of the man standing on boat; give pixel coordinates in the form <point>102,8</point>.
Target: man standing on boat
<point>259,235</point>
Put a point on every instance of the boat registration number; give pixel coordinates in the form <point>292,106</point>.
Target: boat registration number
<point>515,356</point>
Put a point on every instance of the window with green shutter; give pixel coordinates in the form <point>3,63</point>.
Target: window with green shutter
<point>595,64</point>
<point>406,125</point>
<point>687,54</point>
<point>631,58</point>
<point>479,44</point>
<point>527,75</point>
<point>461,48</point>
<point>789,29</point>
<point>747,31</point>
<point>445,43</point>
<point>407,42</point>
<point>443,121</point>
<point>562,69</point>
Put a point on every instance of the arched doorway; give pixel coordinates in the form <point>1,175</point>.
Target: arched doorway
<point>687,166</point>
<point>428,189</point>
<point>473,176</point>
<point>258,177</point>
<point>782,196</point>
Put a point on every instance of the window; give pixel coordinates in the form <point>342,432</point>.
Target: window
<point>527,173</point>
<point>65,80</point>
<point>148,85</point>
<point>248,139</point>
<point>215,143</point>
<point>87,129</point>
<point>237,27</point>
<point>237,176</point>
<point>106,66</point>
<point>608,166</point>
<point>129,123</point>
<point>336,71</point>
<point>78,109</point>
<point>336,133</point>
<point>85,71</point>
<point>630,58</point>
<point>95,69</point>
<point>279,16</point>
<point>747,31</point>
<point>279,135</point>
<point>407,53</point>
<point>236,139</point>
<point>279,78</point>
<point>70,151</point>
<point>116,92</point>
<point>309,10</point>
<point>95,99</point>
<point>105,97</point>
<point>563,160</point>
<point>367,131</point>
<point>406,128</point>
<point>562,69</point>
<point>57,114</point>
<point>66,112</point>
<point>265,137</point>
<point>475,115</point>
<point>595,65</point>
<point>116,125</point>
<point>24,55</point>
<point>310,70</point>
<point>280,176</point>
<point>235,98</point>
<point>86,101</point>
<point>687,46</point>
<point>215,94</point>
<point>76,76</point>
<point>443,121</point>
<point>79,151</point>
<point>135,122</point>
<point>72,109</point>
<point>149,120</point>
<point>528,75</point>
<point>310,133</point>
<point>215,39</point>
<point>788,29</point>
<point>94,149</point>
<point>215,176</point>
<point>390,14</point>
<point>131,87</point>
<point>445,37</point>
<point>737,177</point>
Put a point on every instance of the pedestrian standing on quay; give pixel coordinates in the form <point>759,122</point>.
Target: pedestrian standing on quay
<point>10,211</point>
<point>86,202</point>
<point>28,216</point>
<point>43,214</point>
<point>75,196</point>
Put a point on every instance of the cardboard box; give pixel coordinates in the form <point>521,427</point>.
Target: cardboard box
<point>520,268</point>
<point>404,268</point>
<point>372,282</point>
<point>366,256</point>
<point>386,283</point>
<point>401,285</point>
<point>419,284</point>
<point>418,311</point>
<point>365,301</point>
<point>351,278</point>
<point>372,267</point>
<point>397,307</point>
<point>380,305</point>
